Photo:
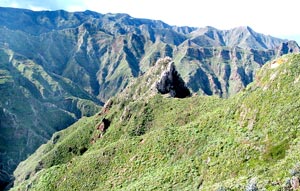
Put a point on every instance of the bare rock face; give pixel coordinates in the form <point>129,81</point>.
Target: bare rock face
<point>162,78</point>
<point>288,47</point>
<point>171,83</point>
<point>101,129</point>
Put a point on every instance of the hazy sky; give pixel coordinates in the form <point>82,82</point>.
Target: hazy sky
<point>271,17</point>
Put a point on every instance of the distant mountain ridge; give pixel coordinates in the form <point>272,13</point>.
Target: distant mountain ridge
<point>131,44</point>
<point>243,37</point>
<point>81,59</point>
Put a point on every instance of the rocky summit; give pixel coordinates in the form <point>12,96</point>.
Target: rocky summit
<point>161,78</point>
<point>57,67</point>
<point>170,81</point>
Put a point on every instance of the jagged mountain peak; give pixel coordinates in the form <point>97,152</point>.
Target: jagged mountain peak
<point>204,30</point>
<point>242,32</point>
<point>246,37</point>
<point>243,36</point>
<point>243,29</point>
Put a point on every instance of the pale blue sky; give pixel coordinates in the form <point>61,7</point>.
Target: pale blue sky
<point>271,17</point>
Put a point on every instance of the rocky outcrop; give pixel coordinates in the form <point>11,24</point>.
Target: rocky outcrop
<point>288,47</point>
<point>161,78</point>
<point>101,129</point>
<point>171,83</point>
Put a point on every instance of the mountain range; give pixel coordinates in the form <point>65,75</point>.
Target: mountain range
<point>58,66</point>
<point>249,141</point>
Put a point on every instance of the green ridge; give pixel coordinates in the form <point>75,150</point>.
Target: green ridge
<point>247,142</point>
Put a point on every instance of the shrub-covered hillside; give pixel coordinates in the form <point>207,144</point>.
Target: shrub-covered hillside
<point>57,66</point>
<point>247,142</point>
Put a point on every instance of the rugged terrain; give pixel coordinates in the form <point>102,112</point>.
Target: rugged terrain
<point>101,53</point>
<point>57,66</point>
<point>33,106</point>
<point>249,141</point>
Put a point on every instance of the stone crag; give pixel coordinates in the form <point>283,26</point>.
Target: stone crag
<point>171,83</point>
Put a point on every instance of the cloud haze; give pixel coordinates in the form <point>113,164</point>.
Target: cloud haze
<point>42,4</point>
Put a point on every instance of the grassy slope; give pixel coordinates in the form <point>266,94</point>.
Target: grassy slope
<point>181,144</point>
